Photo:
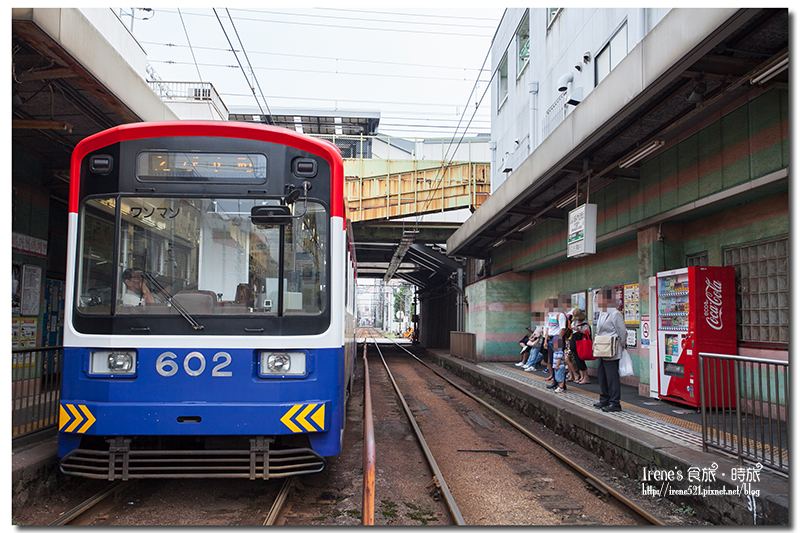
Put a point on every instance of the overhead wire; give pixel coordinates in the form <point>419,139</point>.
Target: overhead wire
<point>328,17</point>
<point>440,174</point>
<point>252,89</point>
<point>323,58</point>
<point>312,71</point>
<point>248,59</point>
<point>316,99</point>
<point>196,66</point>
<point>335,27</point>
<point>448,16</point>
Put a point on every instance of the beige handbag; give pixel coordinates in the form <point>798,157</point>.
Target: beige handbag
<point>605,346</point>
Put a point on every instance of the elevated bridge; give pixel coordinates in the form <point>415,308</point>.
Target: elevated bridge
<point>385,189</point>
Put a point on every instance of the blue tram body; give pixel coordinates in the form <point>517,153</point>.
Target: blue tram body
<point>236,358</point>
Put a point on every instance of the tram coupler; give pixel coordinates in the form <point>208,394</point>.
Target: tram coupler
<point>260,445</point>
<point>118,445</point>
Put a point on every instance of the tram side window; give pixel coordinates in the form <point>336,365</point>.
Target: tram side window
<point>96,256</point>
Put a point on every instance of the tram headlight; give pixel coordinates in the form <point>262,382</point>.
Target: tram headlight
<point>112,362</point>
<point>282,364</point>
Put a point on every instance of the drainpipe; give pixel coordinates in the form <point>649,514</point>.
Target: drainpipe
<point>493,149</point>
<point>642,13</point>
<point>533,89</point>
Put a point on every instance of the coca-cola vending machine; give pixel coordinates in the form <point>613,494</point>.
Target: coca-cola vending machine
<point>696,313</point>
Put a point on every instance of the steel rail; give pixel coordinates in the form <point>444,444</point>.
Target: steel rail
<point>73,514</point>
<point>449,500</point>
<point>280,501</point>
<point>590,478</point>
<point>368,501</point>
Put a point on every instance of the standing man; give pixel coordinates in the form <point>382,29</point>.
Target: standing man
<point>136,291</point>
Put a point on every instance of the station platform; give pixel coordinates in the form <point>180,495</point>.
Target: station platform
<point>647,440</point>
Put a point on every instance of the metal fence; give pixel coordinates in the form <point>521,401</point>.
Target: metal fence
<point>189,91</point>
<point>744,405</point>
<point>36,388</point>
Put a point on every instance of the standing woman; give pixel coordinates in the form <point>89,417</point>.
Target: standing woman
<point>580,329</point>
<point>610,322</point>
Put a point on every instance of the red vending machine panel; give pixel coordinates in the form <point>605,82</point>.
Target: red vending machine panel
<point>696,313</point>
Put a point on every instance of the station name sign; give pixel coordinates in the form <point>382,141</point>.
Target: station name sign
<point>582,233</point>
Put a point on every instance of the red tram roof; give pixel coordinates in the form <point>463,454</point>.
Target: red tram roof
<point>208,128</point>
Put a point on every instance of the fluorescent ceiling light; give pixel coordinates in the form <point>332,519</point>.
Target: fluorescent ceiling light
<point>498,243</point>
<point>527,226</point>
<point>565,202</point>
<point>771,72</point>
<point>640,153</point>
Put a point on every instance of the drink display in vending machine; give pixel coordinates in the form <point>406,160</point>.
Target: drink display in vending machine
<point>696,313</point>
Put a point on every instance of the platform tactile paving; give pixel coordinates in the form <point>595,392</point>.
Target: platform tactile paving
<point>630,414</point>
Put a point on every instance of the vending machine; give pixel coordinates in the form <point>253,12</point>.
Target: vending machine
<point>696,313</point>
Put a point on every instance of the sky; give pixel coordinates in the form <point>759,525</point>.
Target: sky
<point>420,68</point>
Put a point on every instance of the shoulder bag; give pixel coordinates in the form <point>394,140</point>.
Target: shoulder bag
<point>605,346</point>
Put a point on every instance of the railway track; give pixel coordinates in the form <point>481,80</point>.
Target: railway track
<point>93,508</point>
<point>569,504</point>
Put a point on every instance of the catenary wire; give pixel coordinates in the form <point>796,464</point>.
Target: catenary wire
<point>329,17</point>
<point>252,71</point>
<point>323,58</point>
<point>252,89</point>
<point>335,27</point>
<point>440,174</point>
<point>317,99</point>
<point>429,15</point>
<point>310,71</point>
<point>196,66</point>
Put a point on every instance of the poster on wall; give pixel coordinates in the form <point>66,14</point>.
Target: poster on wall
<point>619,297</point>
<point>27,332</point>
<point>579,300</point>
<point>645,331</point>
<point>595,309</point>
<point>631,304</point>
<point>16,287</point>
<point>631,340</point>
<point>31,290</point>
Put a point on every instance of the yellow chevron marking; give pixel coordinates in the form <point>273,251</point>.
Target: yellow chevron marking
<point>286,419</point>
<point>89,419</point>
<point>63,417</point>
<point>301,418</point>
<point>77,421</point>
<point>319,417</point>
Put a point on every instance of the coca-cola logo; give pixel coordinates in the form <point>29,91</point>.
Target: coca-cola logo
<point>712,307</point>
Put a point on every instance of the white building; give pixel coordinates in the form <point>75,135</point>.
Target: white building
<point>539,51</point>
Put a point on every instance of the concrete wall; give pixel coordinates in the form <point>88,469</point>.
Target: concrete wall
<point>499,310</point>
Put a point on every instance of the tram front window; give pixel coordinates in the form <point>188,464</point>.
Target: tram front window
<point>206,256</point>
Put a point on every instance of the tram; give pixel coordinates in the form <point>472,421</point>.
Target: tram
<point>210,303</point>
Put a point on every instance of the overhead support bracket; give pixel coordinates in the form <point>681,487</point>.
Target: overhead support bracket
<point>405,243</point>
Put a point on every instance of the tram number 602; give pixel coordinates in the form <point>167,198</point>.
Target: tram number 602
<point>167,366</point>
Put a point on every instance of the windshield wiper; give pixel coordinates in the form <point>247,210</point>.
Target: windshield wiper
<point>160,288</point>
